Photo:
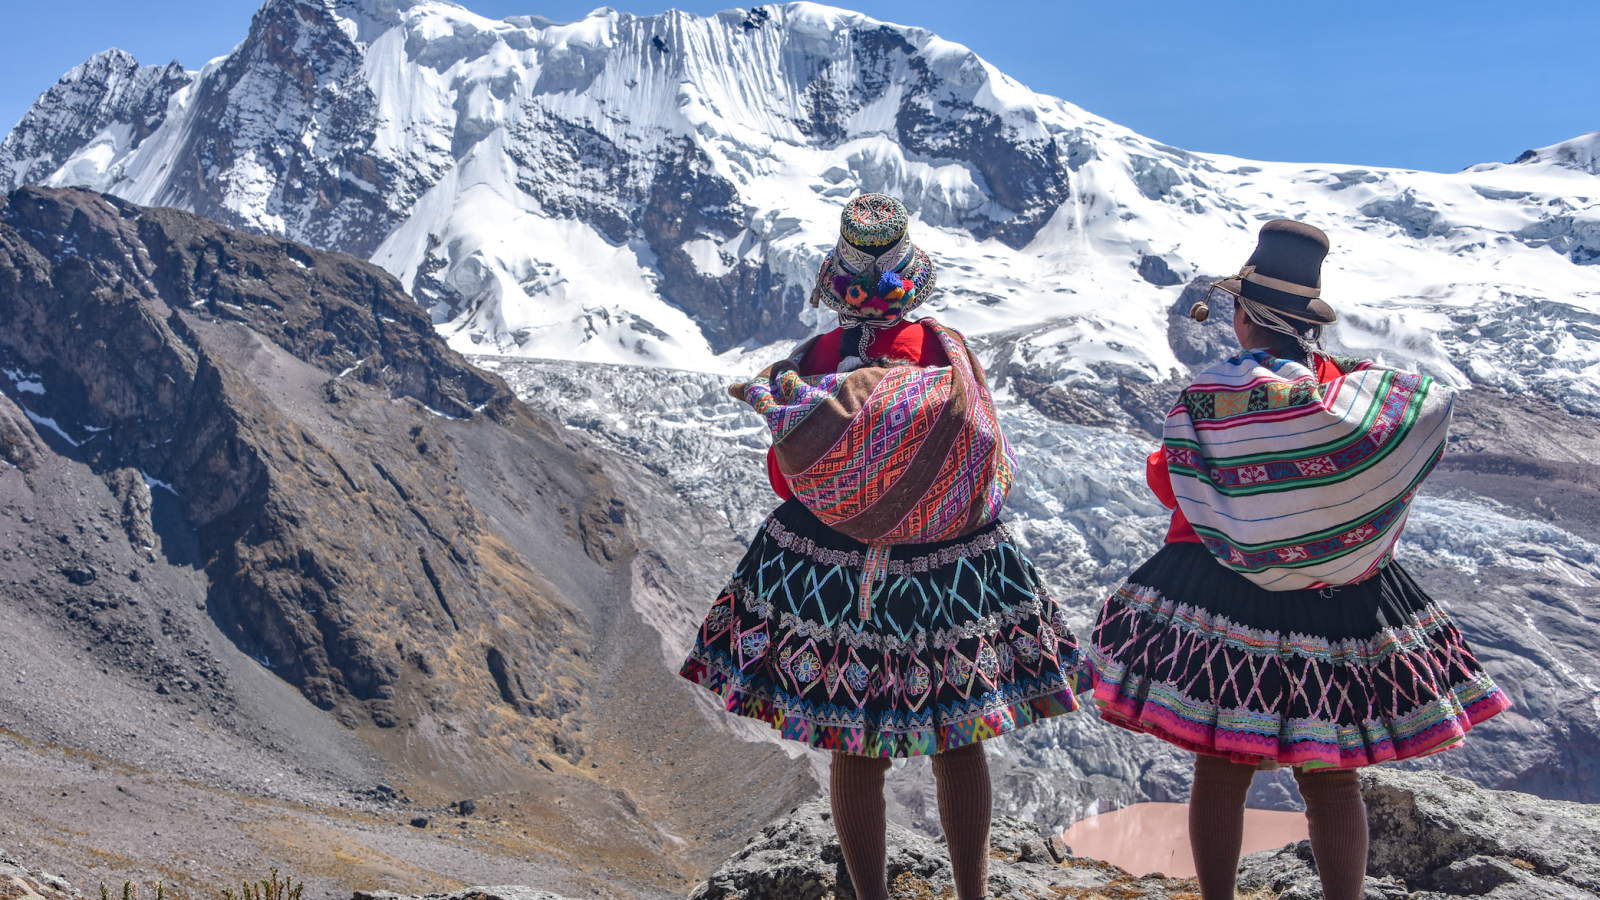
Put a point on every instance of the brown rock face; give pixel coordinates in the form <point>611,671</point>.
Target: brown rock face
<point>289,398</point>
<point>213,442</point>
<point>18,445</point>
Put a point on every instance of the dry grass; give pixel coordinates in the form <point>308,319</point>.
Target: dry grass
<point>909,887</point>
<point>270,888</point>
<point>133,890</point>
<point>273,887</point>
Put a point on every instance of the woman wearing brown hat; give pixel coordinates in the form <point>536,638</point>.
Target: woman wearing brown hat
<point>883,610</point>
<point>1275,626</point>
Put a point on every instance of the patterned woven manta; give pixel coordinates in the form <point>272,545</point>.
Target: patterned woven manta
<point>894,455</point>
<point>1295,484</point>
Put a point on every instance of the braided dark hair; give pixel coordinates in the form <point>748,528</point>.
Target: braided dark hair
<point>1287,337</point>
<point>1296,347</point>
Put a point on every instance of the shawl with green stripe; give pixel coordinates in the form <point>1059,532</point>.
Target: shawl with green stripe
<point>1295,484</point>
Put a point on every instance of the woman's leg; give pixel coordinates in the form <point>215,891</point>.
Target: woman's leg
<point>856,791</point>
<point>965,807</point>
<point>1216,822</point>
<point>1338,819</point>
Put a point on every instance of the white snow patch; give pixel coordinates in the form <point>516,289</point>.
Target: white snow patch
<point>37,419</point>
<point>154,483</point>
<point>25,382</point>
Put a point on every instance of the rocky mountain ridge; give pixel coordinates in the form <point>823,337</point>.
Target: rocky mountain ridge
<point>268,537</point>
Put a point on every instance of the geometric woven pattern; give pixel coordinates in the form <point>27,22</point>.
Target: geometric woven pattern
<point>1405,686</point>
<point>963,642</point>
<point>1296,484</point>
<point>890,454</point>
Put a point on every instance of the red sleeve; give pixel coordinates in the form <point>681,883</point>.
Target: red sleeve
<point>1159,479</point>
<point>1179,531</point>
<point>908,341</point>
<point>780,484</point>
<point>1327,370</point>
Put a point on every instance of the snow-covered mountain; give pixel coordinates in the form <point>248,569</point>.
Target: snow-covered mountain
<point>659,190</point>
<point>627,191</point>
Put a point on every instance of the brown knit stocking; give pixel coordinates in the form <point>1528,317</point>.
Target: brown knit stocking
<point>1216,822</point>
<point>856,791</point>
<point>1337,817</point>
<point>965,806</point>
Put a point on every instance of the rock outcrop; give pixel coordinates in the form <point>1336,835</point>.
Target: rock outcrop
<point>17,882</point>
<point>1435,836</point>
<point>798,858</point>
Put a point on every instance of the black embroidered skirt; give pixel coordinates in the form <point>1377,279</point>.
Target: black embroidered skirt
<point>1203,658</point>
<point>963,641</point>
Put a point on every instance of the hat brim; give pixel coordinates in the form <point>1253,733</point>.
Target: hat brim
<point>917,267</point>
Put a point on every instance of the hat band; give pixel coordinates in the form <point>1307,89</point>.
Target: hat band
<point>857,261</point>
<point>1248,273</point>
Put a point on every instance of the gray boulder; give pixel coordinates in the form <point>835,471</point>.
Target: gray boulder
<point>798,858</point>
<point>1436,836</point>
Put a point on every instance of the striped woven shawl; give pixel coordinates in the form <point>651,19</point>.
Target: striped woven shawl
<point>894,455</point>
<point>1295,484</point>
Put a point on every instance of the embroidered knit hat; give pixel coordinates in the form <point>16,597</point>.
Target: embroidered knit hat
<point>874,274</point>
<point>1285,272</point>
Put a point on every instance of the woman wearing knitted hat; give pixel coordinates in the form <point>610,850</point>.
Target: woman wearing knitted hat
<point>883,610</point>
<point>1275,626</point>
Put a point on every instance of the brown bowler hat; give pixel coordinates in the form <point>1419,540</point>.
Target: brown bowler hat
<point>1285,272</point>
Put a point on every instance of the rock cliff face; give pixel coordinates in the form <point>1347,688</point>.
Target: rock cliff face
<point>110,104</point>
<point>231,462</point>
<point>169,337</point>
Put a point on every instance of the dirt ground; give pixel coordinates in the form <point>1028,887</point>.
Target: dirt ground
<point>92,820</point>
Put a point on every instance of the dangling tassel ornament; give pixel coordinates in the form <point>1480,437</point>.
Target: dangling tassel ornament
<point>874,571</point>
<point>1200,311</point>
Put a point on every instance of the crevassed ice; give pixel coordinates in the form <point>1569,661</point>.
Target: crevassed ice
<point>1080,507</point>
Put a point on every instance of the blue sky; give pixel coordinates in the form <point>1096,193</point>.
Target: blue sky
<point>1407,83</point>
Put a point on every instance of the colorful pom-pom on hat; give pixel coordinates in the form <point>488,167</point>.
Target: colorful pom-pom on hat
<point>874,255</point>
